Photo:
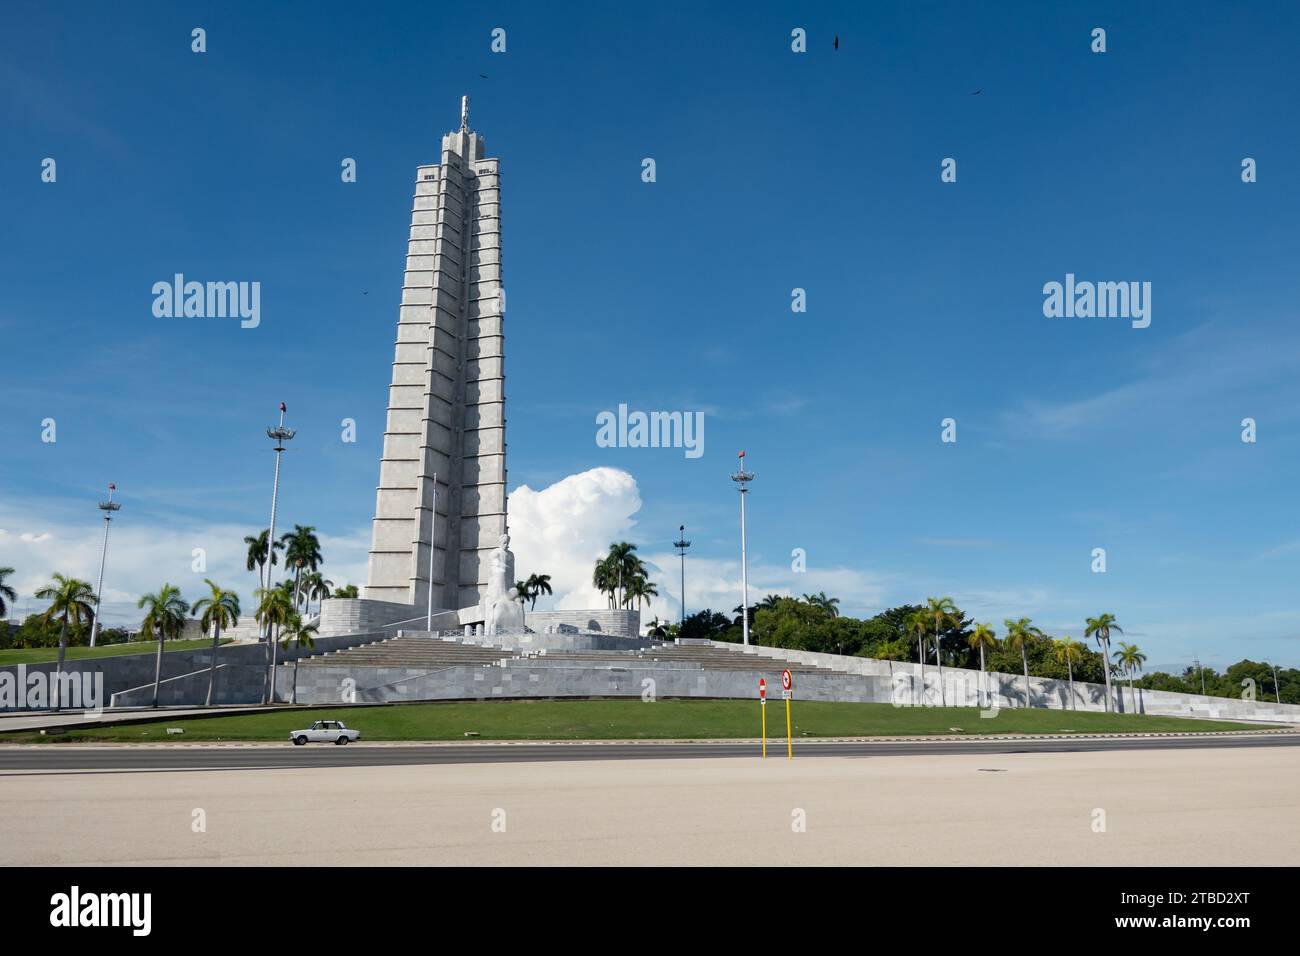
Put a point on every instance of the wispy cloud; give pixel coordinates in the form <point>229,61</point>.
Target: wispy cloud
<point>1207,364</point>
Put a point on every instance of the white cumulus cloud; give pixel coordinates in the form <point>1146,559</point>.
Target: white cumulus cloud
<point>562,530</point>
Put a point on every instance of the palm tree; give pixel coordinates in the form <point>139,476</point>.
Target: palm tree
<point>274,607</point>
<point>1100,627</point>
<point>300,634</point>
<point>941,609</point>
<point>638,587</point>
<point>70,602</point>
<point>1069,652</point>
<point>770,602</point>
<point>7,593</point>
<point>827,604</point>
<point>301,550</point>
<point>1019,634</point>
<point>316,588</point>
<point>605,579</point>
<point>538,584</point>
<point>347,591</point>
<point>164,618</point>
<point>916,622</point>
<point>219,610</point>
<point>1130,659</point>
<point>257,554</point>
<point>522,592</point>
<point>983,637</point>
<point>624,565</point>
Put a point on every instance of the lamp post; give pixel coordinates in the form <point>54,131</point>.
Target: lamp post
<point>280,435</point>
<point>681,544</point>
<point>1277,688</point>
<point>742,478</point>
<point>108,507</point>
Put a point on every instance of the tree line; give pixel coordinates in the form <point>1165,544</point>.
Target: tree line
<point>939,634</point>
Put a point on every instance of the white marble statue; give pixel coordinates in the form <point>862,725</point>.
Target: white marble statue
<point>502,609</point>
<point>501,571</point>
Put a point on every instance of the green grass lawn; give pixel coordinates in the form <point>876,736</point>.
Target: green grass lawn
<point>40,655</point>
<point>632,719</point>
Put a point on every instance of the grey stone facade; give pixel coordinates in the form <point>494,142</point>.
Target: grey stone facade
<point>602,665</point>
<point>624,623</point>
<point>446,403</point>
<point>538,677</point>
<point>128,678</point>
<point>968,688</point>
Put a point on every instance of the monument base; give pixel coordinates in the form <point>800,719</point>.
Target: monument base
<point>359,615</point>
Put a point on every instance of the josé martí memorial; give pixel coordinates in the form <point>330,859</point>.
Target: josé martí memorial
<point>439,619</point>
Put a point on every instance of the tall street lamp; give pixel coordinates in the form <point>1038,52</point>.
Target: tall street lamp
<point>108,507</point>
<point>742,478</point>
<point>681,544</point>
<point>280,435</point>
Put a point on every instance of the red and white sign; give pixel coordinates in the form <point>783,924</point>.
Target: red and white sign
<point>762,688</point>
<point>786,681</point>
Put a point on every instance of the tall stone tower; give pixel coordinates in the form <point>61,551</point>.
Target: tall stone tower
<point>446,404</point>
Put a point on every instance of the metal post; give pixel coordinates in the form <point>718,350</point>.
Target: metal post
<point>1277,688</point>
<point>433,527</point>
<point>681,544</point>
<point>108,507</point>
<point>280,434</point>
<point>742,478</point>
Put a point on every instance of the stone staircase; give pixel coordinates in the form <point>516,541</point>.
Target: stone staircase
<point>416,652</point>
<point>728,659</point>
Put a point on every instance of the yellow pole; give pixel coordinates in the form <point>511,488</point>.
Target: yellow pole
<point>789,741</point>
<point>762,706</point>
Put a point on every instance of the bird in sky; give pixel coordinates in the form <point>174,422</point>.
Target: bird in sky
<point>978,92</point>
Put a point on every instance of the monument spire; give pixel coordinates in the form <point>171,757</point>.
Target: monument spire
<point>442,476</point>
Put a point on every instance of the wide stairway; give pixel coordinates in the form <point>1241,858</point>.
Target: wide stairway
<point>725,659</point>
<point>419,652</point>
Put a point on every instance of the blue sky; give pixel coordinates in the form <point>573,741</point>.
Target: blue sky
<point>775,170</point>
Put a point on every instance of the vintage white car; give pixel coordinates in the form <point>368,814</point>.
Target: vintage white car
<point>324,731</point>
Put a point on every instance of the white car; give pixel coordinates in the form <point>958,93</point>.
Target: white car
<point>324,731</point>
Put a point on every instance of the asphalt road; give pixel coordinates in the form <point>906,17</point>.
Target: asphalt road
<point>156,757</point>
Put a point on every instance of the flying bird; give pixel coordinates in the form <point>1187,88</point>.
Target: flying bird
<point>482,76</point>
<point>978,92</point>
